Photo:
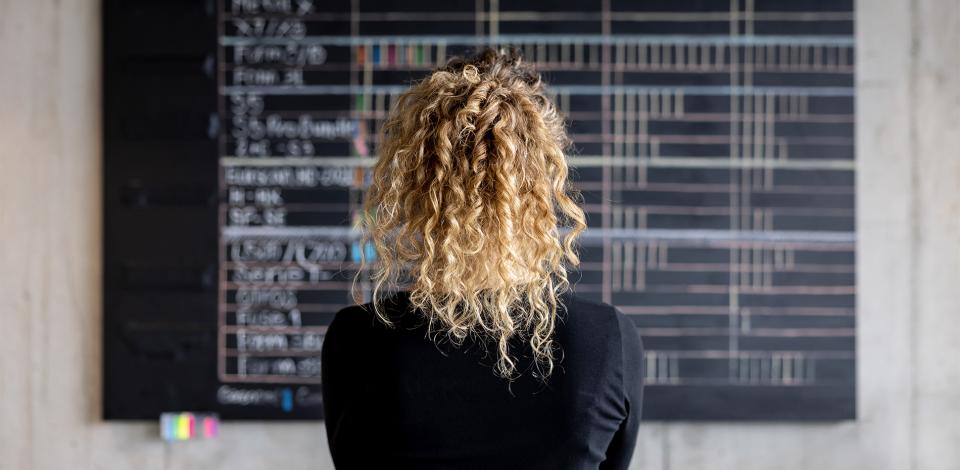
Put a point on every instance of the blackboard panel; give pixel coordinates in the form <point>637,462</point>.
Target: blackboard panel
<point>759,403</point>
<point>160,208</point>
<point>714,150</point>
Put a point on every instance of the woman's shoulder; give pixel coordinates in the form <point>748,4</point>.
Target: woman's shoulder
<point>351,315</point>
<point>364,316</point>
<point>597,320</point>
<point>583,309</point>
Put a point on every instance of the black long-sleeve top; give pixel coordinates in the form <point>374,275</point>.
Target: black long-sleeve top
<point>395,399</point>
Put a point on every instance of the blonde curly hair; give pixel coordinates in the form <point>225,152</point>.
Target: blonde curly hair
<point>466,202</point>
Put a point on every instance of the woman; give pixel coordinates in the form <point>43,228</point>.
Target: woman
<point>473,352</point>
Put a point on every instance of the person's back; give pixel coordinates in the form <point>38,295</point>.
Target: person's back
<point>395,399</point>
<point>482,357</point>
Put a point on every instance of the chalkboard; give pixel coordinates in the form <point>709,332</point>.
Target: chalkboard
<point>714,148</point>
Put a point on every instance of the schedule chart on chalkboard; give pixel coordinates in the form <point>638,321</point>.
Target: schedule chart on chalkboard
<point>713,146</point>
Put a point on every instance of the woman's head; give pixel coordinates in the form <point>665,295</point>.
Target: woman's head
<point>465,202</point>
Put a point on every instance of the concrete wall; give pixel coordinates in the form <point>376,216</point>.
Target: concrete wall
<point>908,206</point>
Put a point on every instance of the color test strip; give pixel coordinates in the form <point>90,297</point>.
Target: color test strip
<point>185,426</point>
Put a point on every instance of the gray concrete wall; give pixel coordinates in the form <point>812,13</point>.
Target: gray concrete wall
<point>908,203</point>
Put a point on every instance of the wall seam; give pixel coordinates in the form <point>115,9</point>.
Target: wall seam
<point>914,237</point>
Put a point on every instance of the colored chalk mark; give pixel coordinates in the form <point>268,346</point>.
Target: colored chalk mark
<point>184,426</point>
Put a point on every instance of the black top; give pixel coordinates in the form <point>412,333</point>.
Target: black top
<point>395,399</point>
